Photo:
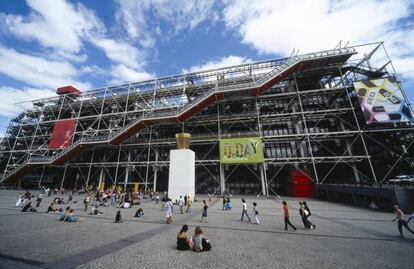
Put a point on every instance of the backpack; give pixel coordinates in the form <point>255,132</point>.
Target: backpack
<point>206,244</point>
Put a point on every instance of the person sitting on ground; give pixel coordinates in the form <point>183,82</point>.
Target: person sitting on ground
<point>139,213</point>
<point>51,209</point>
<point>228,204</point>
<point>183,240</point>
<point>95,211</point>
<point>67,210</point>
<point>118,218</point>
<point>62,214</point>
<point>373,206</point>
<point>200,241</point>
<point>28,207</point>
<point>71,217</point>
<point>92,210</point>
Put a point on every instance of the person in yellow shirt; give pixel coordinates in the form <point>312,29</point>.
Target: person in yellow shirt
<point>189,203</point>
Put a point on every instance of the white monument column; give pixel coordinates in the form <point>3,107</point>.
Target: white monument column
<point>182,169</point>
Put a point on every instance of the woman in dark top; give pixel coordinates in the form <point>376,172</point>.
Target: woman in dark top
<point>183,241</point>
<point>139,213</point>
<point>312,226</point>
<point>118,218</point>
<point>51,209</point>
<point>204,214</point>
<point>27,207</point>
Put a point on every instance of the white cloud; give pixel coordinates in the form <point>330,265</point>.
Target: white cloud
<point>38,71</point>
<point>276,27</point>
<point>55,24</point>
<point>62,29</point>
<point>10,96</point>
<point>218,63</point>
<point>123,74</point>
<point>142,19</point>
<point>120,52</point>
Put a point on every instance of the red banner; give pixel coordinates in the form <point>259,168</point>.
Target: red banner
<point>302,185</point>
<point>62,134</point>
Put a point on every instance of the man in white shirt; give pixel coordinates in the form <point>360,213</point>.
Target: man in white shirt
<point>244,212</point>
<point>181,204</point>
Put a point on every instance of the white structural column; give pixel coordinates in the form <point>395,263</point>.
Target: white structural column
<point>182,173</point>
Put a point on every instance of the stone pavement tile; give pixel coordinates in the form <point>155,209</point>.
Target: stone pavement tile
<point>98,252</point>
<point>78,259</point>
<point>8,264</point>
<point>60,265</point>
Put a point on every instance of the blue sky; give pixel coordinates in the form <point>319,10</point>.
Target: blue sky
<point>45,44</point>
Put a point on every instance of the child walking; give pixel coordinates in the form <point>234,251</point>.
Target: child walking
<point>204,214</point>
<point>256,213</point>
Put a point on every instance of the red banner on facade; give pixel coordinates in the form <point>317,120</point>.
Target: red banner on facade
<point>62,134</point>
<point>302,184</point>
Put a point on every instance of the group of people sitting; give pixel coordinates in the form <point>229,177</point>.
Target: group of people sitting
<point>28,208</point>
<point>227,203</point>
<point>68,215</point>
<point>198,242</point>
<point>139,213</point>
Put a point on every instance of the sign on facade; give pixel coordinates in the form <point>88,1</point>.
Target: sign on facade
<point>248,150</point>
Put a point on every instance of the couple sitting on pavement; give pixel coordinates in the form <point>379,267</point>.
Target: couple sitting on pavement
<point>198,242</point>
<point>68,215</point>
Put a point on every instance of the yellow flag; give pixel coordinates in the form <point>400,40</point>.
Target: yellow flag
<point>135,187</point>
<point>102,187</point>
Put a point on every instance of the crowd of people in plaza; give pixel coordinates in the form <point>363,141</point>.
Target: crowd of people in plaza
<point>93,202</point>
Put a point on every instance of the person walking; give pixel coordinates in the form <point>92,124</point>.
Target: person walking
<point>304,215</point>
<point>39,199</point>
<point>86,201</point>
<point>169,211</point>
<point>189,203</point>
<point>244,210</point>
<point>411,217</point>
<point>157,198</point>
<point>256,213</point>
<point>181,204</point>
<point>309,213</point>
<point>19,199</point>
<point>204,213</point>
<point>286,215</point>
<point>401,220</point>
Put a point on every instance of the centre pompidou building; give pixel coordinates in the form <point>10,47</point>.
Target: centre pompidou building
<point>335,116</point>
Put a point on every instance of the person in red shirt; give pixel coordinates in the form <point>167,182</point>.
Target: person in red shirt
<point>286,215</point>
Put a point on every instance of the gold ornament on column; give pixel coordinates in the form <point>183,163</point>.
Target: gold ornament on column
<point>183,140</point>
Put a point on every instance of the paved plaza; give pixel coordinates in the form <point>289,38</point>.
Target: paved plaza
<point>345,237</point>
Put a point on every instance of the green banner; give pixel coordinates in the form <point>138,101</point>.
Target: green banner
<point>241,150</point>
